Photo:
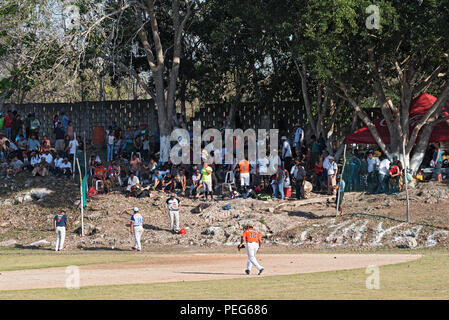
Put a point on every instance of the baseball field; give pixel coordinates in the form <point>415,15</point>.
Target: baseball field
<point>111,274</point>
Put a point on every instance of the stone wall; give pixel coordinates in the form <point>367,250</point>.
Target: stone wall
<point>87,115</point>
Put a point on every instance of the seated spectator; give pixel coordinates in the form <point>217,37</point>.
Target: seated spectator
<point>22,145</point>
<point>157,180</point>
<point>11,150</point>
<point>33,145</point>
<point>180,181</point>
<point>65,168</point>
<point>57,163</point>
<point>42,168</point>
<point>48,157</point>
<point>45,145</point>
<point>15,167</point>
<point>196,184</point>
<point>168,183</point>
<point>35,160</point>
<point>134,164</point>
<point>133,184</point>
<point>99,175</point>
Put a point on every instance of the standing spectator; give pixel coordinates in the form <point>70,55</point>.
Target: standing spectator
<point>354,173</point>
<point>363,174</point>
<point>278,186</point>
<point>372,166</point>
<point>35,125</point>
<point>298,141</point>
<point>438,160</point>
<point>326,156</point>
<point>318,171</point>
<point>110,146</point>
<point>136,226</point>
<point>28,126</point>
<point>60,223</point>
<point>55,121</point>
<point>8,123</point>
<point>206,179</point>
<point>286,154</point>
<point>384,166</point>
<point>146,148</point>
<point>315,150</point>
<point>244,174</point>
<point>332,171</point>
<point>300,177</point>
<point>71,148</point>
<point>17,125</point>
<point>2,121</point>
<point>64,119</point>
<point>69,129</point>
<point>59,138</point>
<point>173,205</point>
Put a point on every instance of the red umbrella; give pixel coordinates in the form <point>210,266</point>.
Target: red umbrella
<point>418,108</point>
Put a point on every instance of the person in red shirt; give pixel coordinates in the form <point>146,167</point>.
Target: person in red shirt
<point>8,124</point>
<point>253,242</point>
<point>395,174</point>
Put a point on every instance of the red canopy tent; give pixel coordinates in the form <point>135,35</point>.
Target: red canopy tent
<point>418,108</point>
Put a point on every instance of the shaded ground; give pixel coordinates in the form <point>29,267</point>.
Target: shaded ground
<point>173,268</point>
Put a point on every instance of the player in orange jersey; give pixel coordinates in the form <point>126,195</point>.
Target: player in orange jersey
<point>253,242</point>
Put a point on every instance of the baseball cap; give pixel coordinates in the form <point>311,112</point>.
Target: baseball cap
<point>284,138</point>
<point>172,195</point>
<point>135,209</point>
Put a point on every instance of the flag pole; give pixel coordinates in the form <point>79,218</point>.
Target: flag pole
<point>82,202</point>
<point>406,183</point>
<point>342,171</point>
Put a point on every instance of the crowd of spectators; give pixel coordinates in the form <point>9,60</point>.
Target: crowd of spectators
<point>130,164</point>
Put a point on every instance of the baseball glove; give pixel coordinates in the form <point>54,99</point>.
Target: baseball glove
<point>240,246</point>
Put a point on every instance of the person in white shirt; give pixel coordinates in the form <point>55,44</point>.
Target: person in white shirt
<point>332,170</point>
<point>65,167</point>
<point>35,159</point>
<point>373,162</point>
<point>58,161</point>
<point>48,157</point>
<point>73,144</point>
<point>384,166</point>
<point>110,146</point>
<point>133,181</point>
<point>263,165</point>
<point>298,140</point>
<point>286,154</point>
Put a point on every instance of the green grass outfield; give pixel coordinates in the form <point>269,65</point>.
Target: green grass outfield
<point>425,278</point>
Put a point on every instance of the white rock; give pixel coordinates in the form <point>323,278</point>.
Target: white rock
<point>39,243</point>
<point>40,193</point>
<point>8,243</point>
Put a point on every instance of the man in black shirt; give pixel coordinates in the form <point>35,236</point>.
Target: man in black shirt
<point>300,177</point>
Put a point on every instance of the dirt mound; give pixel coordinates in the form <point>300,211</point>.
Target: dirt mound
<point>28,206</point>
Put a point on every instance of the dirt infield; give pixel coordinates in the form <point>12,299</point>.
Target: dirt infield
<point>193,267</point>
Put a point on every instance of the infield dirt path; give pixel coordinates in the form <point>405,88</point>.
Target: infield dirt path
<point>193,267</point>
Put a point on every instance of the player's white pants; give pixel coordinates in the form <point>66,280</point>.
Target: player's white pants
<point>251,250</point>
<point>174,219</point>
<point>138,230</point>
<point>60,237</point>
<point>244,179</point>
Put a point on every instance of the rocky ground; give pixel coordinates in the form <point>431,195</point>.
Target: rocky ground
<point>28,205</point>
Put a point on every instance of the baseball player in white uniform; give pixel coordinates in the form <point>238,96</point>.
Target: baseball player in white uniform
<point>173,205</point>
<point>253,242</point>
<point>137,228</point>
